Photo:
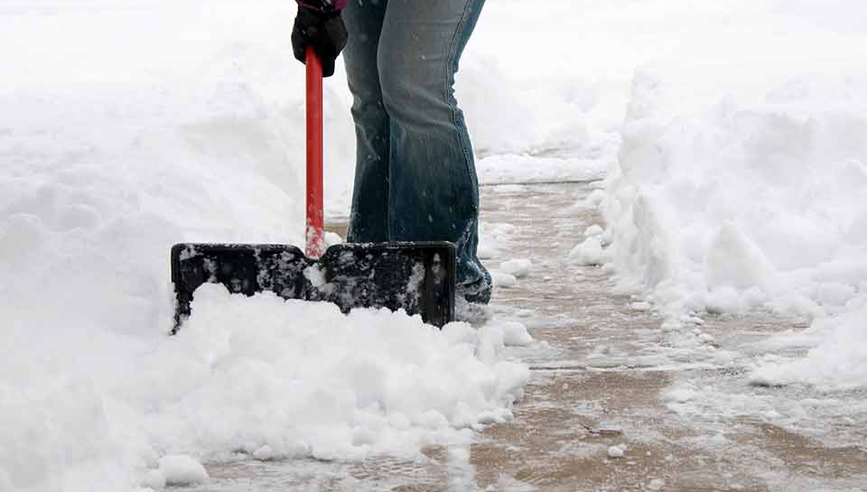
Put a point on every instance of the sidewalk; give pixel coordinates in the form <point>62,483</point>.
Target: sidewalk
<point>676,403</point>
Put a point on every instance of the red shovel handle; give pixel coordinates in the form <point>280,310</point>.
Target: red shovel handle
<point>315,219</point>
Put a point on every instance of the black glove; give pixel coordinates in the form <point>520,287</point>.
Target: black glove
<point>324,31</point>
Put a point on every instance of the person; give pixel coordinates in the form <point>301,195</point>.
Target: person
<point>415,177</point>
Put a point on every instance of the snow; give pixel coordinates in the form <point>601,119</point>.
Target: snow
<point>732,135</point>
<point>740,181</point>
<point>590,252</point>
<point>153,479</point>
<point>182,470</point>
<point>258,376</point>
<point>680,395</point>
<point>128,126</point>
<point>594,230</point>
<point>493,237</point>
<point>503,280</point>
<point>656,484</point>
<point>515,334</point>
<point>837,359</point>
<point>519,267</point>
<point>528,168</point>
<point>265,453</point>
<point>615,452</point>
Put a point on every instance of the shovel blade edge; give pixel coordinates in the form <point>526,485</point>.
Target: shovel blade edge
<point>418,277</point>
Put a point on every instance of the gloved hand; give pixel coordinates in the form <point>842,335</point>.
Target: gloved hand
<point>324,31</point>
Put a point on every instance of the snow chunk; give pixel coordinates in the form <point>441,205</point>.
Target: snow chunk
<point>656,484</point>
<point>515,334</point>
<point>680,395</point>
<point>722,300</point>
<point>181,469</point>
<point>641,306</point>
<point>493,237</point>
<point>316,276</point>
<point>734,261</point>
<point>595,199</point>
<point>332,239</point>
<point>615,452</point>
<point>519,268</point>
<point>594,230</point>
<point>264,453</point>
<point>503,280</point>
<point>835,293</point>
<point>153,479</point>
<point>590,252</point>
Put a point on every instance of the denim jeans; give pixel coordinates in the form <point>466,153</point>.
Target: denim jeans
<point>415,174</point>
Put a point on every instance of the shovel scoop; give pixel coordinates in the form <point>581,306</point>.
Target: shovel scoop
<point>418,277</point>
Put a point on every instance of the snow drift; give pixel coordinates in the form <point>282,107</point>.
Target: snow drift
<point>740,178</point>
<point>736,206</point>
<point>734,199</point>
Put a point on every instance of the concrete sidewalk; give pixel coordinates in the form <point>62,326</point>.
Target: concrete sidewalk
<point>604,373</point>
<point>676,403</point>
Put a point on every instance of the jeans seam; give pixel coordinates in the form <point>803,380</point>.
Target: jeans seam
<point>465,148</point>
<point>453,48</point>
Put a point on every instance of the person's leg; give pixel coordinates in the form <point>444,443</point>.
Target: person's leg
<point>433,187</point>
<point>368,221</point>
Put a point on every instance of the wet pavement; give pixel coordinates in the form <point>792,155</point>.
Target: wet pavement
<point>677,403</point>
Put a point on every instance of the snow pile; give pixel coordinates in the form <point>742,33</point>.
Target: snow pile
<point>258,376</point>
<point>308,381</point>
<point>732,206</point>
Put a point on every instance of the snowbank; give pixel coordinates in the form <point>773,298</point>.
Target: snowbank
<point>731,202</point>
<point>764,201</point>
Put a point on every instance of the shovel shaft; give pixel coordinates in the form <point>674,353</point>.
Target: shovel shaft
<point>315,220</point>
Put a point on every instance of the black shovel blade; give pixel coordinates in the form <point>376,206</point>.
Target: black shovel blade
<point>416,277</point>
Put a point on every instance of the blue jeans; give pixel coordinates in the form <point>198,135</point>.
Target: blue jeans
<point>415,177</point>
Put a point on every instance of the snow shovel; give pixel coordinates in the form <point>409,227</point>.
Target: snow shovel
<point>418,277</point>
